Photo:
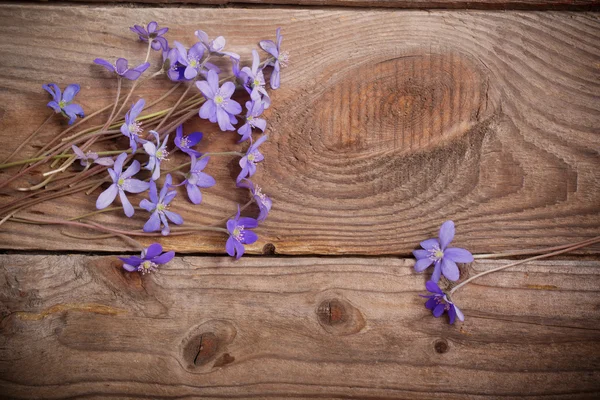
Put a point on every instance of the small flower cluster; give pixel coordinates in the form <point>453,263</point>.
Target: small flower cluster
<point>150,150</point>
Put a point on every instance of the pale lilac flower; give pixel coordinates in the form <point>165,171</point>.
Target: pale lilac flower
<point>215,46</point>
<point>185,142</point>
<point>439,302</point>
<point>219,107</point>
<point>436,251</point>
<point>158,42</point>
<point>197,179</point>
<point>158,206</point>
<point>282,58</point>
<point>263,202</point>
<point>121,68</point>
<point>254,110</point>
<point>255,81</point>
<point>90,158</point>
<point>248,162</point>
<point>62,102</point>
<point>175,70</point>
<point>132,128</point>
<point>157,154</point>
<point>192,59</point>
<point>239,235</point>
<point>150,259</point>
<point>122,182</point>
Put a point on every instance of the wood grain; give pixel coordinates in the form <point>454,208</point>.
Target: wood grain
<point>78,326</point>
<point>387,123</point>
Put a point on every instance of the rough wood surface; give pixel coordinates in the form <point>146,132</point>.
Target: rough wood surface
<point>401,4</point>
<point>78,327</point>
<point>387,123</point>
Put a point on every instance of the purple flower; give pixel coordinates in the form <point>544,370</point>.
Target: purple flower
<point>255,110</point>
<point>190,59</point>
<point>122,69</point>
<point>255,81</point>
<point>216,46</point>
<point>158,42</point>
<point>91,157</point>
<point>122,182</point>
<point>439,302</point>
<point>263,202</point>
<point>157,154</point>
<point>184,143</point>
<point>239,235</point>
<point>62,102</point>
<point>282,58</point>
<point>197,179</point>
<point>175,70</point>
<point>158,206</point>
<point>445,258</point>
<point>218,106</point>
<point>132,128</point>
<point>248,162</point>
<point>150,259</point>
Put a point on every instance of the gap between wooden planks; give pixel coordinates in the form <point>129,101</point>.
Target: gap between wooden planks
<point>79,326</point>
<point>387,123</point>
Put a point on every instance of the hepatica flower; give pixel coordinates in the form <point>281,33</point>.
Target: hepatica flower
<point>122,69</point>
<point>150,259</point>
<point>281,57</point>
<point>255,110</point>
<point>255,80</point>
<point>185,143</point>
<point>248,162</point>
<point>239,235</point>
<point>175,70</point>
<point>192,59</point>
<point>158,42</point>
<point>158,206</point>
<point>215,46</point>
<point>157,154</point>
<point>437,252</point>
<point>132,128</point>
<point>90,157</point>
<point>263,202</point>
<point>218,106</point>
<point>197,179</point>
<point>62,102</point>
<point>439,303</point>
<point>122,182</point>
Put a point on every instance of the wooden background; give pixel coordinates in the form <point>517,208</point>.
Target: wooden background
<point>388,122</point>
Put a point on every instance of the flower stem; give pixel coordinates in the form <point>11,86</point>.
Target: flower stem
<point>175,106</point>
<point>28,160</point>
<point>572,247</point>
<point>24,142</point>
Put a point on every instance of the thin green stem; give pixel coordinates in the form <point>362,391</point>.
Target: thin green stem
<point>24,142</point>
<point>192,83</point>
<point>20,162</point>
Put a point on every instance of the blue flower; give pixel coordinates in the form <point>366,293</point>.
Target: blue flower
<point>184,143</point>
<point>158,206</point>
<point>248,162</point>
<point>239,235</point>
<point>436,251</point>
<point>219,107</point>
<point>192,59</point>
<point>438,303</point>
<point>132,128</point>
<point>157,154</point>
<point>254,110</point>
<point>151,33</point>
<point>263,202</point>
<point>197,179</point>
<point>150,259</point>
<point>121,68</point>
<point>255,81</point>
<point>281,58</point>
<point>62,102</point>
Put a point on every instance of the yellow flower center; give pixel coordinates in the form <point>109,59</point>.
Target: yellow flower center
<point>438,254</point>
<point>121,181</point>
<point>219,99</point>
<point>62,104</point>
<point>256,82</point>
<point>251,157</point>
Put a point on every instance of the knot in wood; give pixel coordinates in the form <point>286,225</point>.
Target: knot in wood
<point>441,346</point>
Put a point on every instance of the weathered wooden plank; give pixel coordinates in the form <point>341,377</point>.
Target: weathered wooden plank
<point>400,4</point>
<point>77,326</point>
<point>387,123</point>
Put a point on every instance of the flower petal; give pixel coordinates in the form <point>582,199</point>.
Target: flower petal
<point>446,234</point>
<point>459,313</point>
<point>457,254</point>
<point>423,264</point>
<point>164,258</point>
<point>147,205</point>
<point>107,197</point>
<point>174,217</point>
<point>133,169</point>
<point>230,246</point>
<point>127,207</point>
<point>153,250</point>
<point>450,270</point>
<point>153,223</point>
<point>438,310</point>
<point>208,109</point>
<point>118,167</point>
<point>420,254</point>
<point>431,303</point>
<point>206,90</point>
<point>430,244</point>
<point>432,287</point>
<point>437,272</point>
<point>105,64</point>
<point>70,92</point>
<point>194,193</point>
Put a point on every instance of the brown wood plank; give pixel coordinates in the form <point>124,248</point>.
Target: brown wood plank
<point>77,326</point>
<point>387,123</point>
<point>400,4</point>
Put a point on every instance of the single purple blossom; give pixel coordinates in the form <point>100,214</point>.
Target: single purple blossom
<point>254,110</point>
<point>248,162</point>
<point>219,107</point>
<point>281,60</point>
<point>132,128</point>
<point>157,154</point>
<point>263,202</point>
<point>175,70</point>
<point>439,302</point>
<point>122,182</point>
<point>239,235</point>
<point>436,251</point>
<point>90,158</point>
<point>150,259</point>
<point>62,102</point>
<point>121,68</point>
<point>158,206</point>
<point>190,59</point>
<point>185,143</point>
<point>255,81</point>
<point>215,46</point>
<point>158,42</point>
<point>196,179</point>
